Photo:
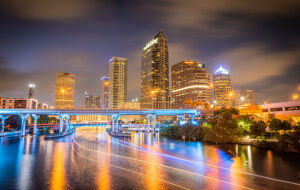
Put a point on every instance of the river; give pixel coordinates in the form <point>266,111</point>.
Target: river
<point>91,159</point>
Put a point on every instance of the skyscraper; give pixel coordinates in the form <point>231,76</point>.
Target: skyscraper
<point>104,91</point>
<point>65,87</point>
<point>155,74</point>
<point>222,88</point>
<point>189,81</point>
<point>91,101</point>
<point>31,87</point>
<point>118,82</point>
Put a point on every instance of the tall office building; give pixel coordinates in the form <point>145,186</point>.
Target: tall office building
<point>91,101</point>
<point>222,88</point>
<point>104,91</point>
<point>242,97</point>
<point>65,89</point>
<point>155,74</point>
<point>117,93</point>
<point>189,81</point>
<point>31,87</point>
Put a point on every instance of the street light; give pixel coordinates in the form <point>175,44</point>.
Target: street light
<point>242,99</point>
<point>295,97</point>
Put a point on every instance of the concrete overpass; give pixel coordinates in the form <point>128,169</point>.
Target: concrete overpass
<point>64,115</point>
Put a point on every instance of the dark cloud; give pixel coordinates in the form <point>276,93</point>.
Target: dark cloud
<point>256,40</point>
<point>48,9</point>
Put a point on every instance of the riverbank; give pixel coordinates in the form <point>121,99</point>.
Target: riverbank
<point>289,142</point>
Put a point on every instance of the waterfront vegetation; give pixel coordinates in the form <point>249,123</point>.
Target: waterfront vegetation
<point>227,126</point>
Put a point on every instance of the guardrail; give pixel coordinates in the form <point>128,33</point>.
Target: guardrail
<point>10,134</point>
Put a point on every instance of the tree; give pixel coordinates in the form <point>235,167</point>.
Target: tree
<point>258,128</point>
<point>188,102</point>
<point>14,121</point>
<point>224,130</point>
<point>46,119</point>
<point>286,125</point>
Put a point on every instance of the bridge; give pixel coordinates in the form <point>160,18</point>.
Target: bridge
<point>64,115</point>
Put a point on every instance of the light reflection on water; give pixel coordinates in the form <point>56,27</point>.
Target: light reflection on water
<point>35,163</point>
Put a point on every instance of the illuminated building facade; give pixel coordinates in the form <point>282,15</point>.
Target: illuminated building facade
<point>91,101</point>
<point>243,97</point>
<point>19,103</point>
<point>65,89</point>
<point>104,91</point>
<point>283,110</point>
<point>117,93</point>
<point>155,74</point>
<point>222,88</point>
<point>189,81</point>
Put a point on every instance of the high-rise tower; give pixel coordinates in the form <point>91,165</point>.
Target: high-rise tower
<point>118,82</point>
<point>65,89</point>
<point>190,81</point>
<point>222,88</point>
<point>31,90</point>
<point>91,101</point>
<point>155,74</point>
<point>104,91</point>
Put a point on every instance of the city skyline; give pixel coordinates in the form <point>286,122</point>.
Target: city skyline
<point>241,44</point>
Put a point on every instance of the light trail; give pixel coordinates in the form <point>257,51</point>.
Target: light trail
<point>132,171</point>
<point>162,165</point>
<point>139,148</point>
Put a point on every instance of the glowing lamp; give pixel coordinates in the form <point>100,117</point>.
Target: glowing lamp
<point>31,85</point>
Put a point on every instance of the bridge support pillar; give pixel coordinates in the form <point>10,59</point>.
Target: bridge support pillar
<point>154,123</point>
<point>61,123</point>
<point>23,123</point>
<point>192,116</point>
<point>181,117</point>
<point>148,122</point>
<point>117,123</point>
<point>3,118</point>
<point>35,118</point>
<point>67,122</point>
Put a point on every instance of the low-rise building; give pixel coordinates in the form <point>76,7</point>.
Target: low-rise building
<point>283,110</point>
<point>19,103</point>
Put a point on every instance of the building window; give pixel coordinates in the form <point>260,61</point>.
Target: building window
<point>265,110</point>
<point>292,108</point>
<point>275,109</point>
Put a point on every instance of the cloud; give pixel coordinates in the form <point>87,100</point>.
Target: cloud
<point>223,17</point>
<point>273,75</point>
<point>47,9</point>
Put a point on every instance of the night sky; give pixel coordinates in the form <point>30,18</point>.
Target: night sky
<point>258,41</point>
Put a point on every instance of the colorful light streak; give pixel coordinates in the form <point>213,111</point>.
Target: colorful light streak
<point>162,165</point>
<point>202,164</point>
<point>132,171</point>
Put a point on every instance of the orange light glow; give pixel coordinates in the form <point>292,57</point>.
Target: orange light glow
<point>106,83</point>
<point>58,171</point>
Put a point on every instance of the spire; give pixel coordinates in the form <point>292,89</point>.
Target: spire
<point>221,70</point>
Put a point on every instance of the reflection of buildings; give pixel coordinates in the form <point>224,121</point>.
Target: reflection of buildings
<point>189,81</point>
<point>91,101</point>
<point>222,88</point>
<point>65,89</point>
<point>241,97</point>
<point>104,92</point>
<point>19,103</point>
<point>118,82</point>
<point>155,74</point>
<point>283,110</point>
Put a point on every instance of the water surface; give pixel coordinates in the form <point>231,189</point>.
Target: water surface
<point>91,159</point>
